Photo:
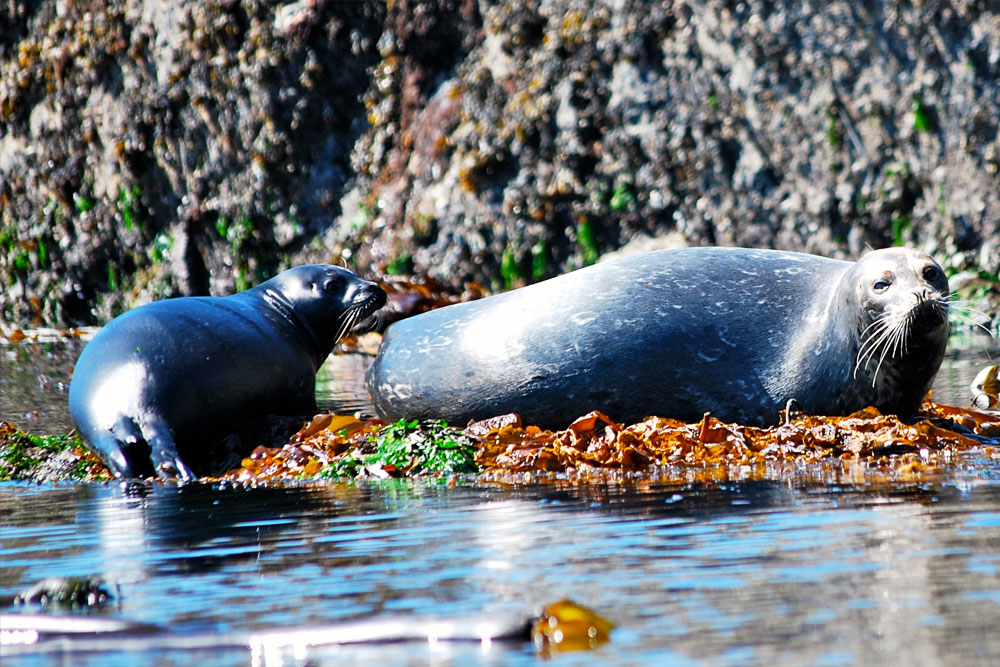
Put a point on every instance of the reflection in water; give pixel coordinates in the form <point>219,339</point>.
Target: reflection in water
<point>736,573</point>
<point>340,384</point>
<point>741,573</point>
<point>34,385</point>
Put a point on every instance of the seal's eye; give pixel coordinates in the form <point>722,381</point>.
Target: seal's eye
<point>331,284</point>
<point>931,274</point>
<point>881,285</point>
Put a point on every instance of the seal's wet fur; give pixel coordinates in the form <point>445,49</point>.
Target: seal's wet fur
<point>677,333</point>
<point>159,384</point>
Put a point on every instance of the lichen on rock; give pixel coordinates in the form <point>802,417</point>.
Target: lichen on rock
<point>151,149</point>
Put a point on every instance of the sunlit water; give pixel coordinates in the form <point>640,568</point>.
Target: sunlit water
<point>785,572</point>
<point>741,573</point>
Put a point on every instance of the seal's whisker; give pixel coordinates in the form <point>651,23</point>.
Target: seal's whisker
<point>872,342</point>
<point>879,325</point>
<point>890,346</point>
<point>872,346</point>
<point>347,322</point>
<point>866,350</point>
<point>869,344</point>
<point>904,335</point>
<point>878,320</point>
<point>967,319</point>
<point>962,307</point>
<point>353,319</point>
<point>890,339</point>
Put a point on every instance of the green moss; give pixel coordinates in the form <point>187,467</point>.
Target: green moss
<point>412,447</point>
<point>539,260</point>
<point>53,212</point>
<point>621,197</point>
<point>588,241</point>
<point>22,455</point>
<point>82,203</point>
<point>361,218</point>
<point>160,247</point>
<point>21,261</point>
<point>834,136</point>
<point>901,169</point>
<point>923,115</point>
<point>243,229</point>
<point>510,271</point>
<point>900,224</point>
<point>400,265</point>
<point>128,202</point>
<point>242,280</point>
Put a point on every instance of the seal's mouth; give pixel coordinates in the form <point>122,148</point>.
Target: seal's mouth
<point>898,331</point>
<point>363,314</point>
<point>371,323</point>
<point>928,312</point>
<point>371,315</point>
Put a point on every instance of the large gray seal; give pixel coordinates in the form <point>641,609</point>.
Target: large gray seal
<point>677,333</point>
<point>159,382</point>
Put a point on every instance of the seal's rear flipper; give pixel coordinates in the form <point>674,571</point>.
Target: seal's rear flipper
<point>125,450</point>
<point>167,461</point>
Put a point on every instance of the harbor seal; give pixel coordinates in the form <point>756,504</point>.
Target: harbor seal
<point>160,382</point>
<point>677,333</point>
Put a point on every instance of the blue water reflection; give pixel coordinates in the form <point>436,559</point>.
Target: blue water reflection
<point>739,573</point>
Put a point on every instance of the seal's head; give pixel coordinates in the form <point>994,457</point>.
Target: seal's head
<point>325,301</point>
<point>902,324</point>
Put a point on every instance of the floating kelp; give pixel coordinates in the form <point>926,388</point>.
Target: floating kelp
<point>336,446</point>
<point>591,448</point>
<point>567,626</point>
<point>985,388</point>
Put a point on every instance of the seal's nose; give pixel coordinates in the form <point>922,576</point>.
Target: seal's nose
<point>364,291</point>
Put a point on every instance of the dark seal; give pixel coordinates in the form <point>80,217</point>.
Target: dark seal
<point>678,333</point>
<point>160,381</point>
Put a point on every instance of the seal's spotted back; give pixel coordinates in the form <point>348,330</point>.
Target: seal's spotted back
<point>676,333</point>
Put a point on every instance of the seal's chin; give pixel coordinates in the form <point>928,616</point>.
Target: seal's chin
<point>371,323</point>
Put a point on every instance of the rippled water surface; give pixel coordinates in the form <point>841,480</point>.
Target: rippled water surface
<point>805,570</point>
<point>738,573</point>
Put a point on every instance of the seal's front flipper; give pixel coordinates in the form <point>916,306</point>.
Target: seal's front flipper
<point>125,450</point>
<point>167,461</point>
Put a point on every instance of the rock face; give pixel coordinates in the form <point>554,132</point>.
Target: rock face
<point>152,148</point>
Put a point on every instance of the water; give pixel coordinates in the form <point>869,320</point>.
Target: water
<point>792,571</point>
<point>737,573</point>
